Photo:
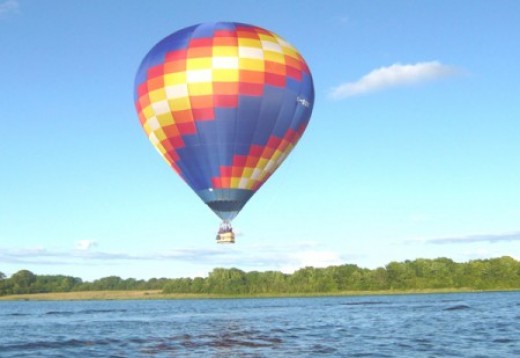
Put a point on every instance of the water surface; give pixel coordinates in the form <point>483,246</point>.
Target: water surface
<point>431,325</point>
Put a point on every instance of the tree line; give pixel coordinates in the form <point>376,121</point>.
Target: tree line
<point>24,281</point>
<point>419,274</point>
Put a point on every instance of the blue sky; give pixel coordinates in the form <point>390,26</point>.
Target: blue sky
<point>412,150</point>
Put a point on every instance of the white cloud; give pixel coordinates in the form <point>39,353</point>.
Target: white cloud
<point>472,238</point>
<point>8,6</point>
<point>512,236</point>
<point>395,75</point>
<point>286,258</point>
<point>85,245</point>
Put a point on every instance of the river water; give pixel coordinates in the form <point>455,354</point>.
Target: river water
<point>426,325</point>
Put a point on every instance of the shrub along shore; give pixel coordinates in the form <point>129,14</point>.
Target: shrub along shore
<point>439,275</point>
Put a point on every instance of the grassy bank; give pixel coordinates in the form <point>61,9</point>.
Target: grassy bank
<point>158,295</point>
<point>97,295</point>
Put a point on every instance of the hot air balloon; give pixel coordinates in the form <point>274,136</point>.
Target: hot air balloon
<point>224,104</point>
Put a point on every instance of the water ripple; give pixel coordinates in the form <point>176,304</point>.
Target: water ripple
<point>412,326</point>
<point>457,308</point>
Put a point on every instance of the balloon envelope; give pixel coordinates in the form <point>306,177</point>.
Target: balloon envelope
<point>224,104</point>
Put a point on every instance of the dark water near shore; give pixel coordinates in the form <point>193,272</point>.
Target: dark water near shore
<point>433,325</point>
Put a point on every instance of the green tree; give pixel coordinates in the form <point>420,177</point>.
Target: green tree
<point>198,285</point>
<point>108,283</point>
<point>22,281</point>
<point>275,281</point>
<point>255,282</point>
<point>228,281</point>
<point>266,282</point>
<point>442,273</point>
<point>323,280</point>
<point>4,285</point>
<point>156,283</point>
<point>310,279</point>
<point>496,273</point>
<point>344,277</point>
<point>400,275</point>
<point>302,280</point>
<point>472,274</point>
<point>376,279</point>
<point>501,273</point>
<point>179,285</point>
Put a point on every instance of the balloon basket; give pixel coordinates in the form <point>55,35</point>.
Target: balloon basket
<point>226,238</point>
<point>225,233</point>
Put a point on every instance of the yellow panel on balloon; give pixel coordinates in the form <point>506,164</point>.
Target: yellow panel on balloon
<point>179,104</point>
<point>165,119</point>
<point>148,112</point>
<point>174,78</point>
<point>198,63</point>
<point>245,41</point>
<point>251,64</point>
<point>225,51</point>
<point>262,163</point>
<point>247,172</point>
<point>157,95</point>
<point>274,56</point>
<point>200,89</point>
<point>220,75</point>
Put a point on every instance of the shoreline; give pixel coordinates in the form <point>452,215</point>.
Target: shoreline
<point>158,295</point>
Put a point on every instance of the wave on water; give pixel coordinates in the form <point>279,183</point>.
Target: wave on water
<point>86,312</point>
<point>228,340</point>
<point>400,326</point>
<point>61,344</point>
<point>363,303</point>
<point>95,311</point>
<point>457,308</point>
<point>205,342</point>
<point>503,340</point>
<point>59,313</point>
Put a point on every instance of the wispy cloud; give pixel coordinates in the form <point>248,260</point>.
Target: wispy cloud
<point>284,258</point>
<point>469,239</point>
<point>85,245</point>
<point>396,75</point>
<point>8,6</point>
